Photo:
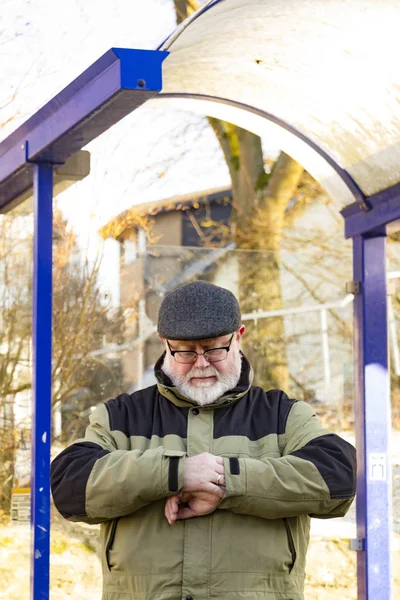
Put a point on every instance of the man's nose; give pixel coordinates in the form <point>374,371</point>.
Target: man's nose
<point>201,362</point>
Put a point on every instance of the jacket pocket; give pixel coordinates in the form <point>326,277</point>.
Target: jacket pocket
<point>291,544</point>
<point>110,542</point>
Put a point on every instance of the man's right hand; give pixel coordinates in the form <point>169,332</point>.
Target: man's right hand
<point>200,473</point>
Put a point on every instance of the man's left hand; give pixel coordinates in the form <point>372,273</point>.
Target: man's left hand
<point>199,504</point>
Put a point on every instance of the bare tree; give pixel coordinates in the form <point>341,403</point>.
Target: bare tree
<point>15,334</point>
<point>82,322</point>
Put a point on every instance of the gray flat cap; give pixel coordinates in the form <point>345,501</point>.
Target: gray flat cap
<point>198,310</point>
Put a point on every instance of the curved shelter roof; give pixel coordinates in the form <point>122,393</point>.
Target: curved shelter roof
<point>326,70</point>
<point>318,76</point>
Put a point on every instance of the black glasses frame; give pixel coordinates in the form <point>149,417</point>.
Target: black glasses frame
<point>193,352</point>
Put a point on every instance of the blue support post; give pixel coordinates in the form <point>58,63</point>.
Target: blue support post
<point>372,418</point>
<point>42,354</point>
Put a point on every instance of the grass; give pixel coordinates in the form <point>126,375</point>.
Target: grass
<point>6,541</point>
<point>76,571</point>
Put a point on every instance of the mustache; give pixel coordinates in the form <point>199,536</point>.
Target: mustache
<point>209,371</point>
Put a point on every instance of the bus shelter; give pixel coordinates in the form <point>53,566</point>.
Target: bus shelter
<point>308,73</point>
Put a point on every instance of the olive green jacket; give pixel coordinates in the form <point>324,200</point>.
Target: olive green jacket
<point>281,468</point>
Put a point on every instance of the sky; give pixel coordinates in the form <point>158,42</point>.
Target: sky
<point>151,154</point>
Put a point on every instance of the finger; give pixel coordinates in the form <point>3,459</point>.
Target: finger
<point>185,513</point>
<point>219,479</point>
<point>217,490</point>
<point>184,497</point>
<point>219,469</point>
<point>220,492</point>
<point>220,460</point>
<point>171,509</point>
<point>174,505</point>
<point>169,514</point>
<point>167,511</point>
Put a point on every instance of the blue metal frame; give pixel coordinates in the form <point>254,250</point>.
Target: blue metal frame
<point>372,214</point>
<point>373,419</point>
<point>41,384</point>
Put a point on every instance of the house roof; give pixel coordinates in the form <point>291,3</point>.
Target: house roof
<point>141,215</point>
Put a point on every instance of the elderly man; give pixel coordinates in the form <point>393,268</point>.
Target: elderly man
<point>204,484</point>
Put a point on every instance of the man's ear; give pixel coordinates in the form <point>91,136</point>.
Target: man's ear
<point>161,338</point>
<point>241,331</point>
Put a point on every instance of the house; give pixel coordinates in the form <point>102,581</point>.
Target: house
<point>162,245</point>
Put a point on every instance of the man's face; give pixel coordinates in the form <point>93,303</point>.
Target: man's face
<point>203,381</point>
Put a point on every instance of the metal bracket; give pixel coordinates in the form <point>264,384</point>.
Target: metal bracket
<point>357,544</point>
<point>353,287</point>
<point>364,205</point>
<point>25,147</point>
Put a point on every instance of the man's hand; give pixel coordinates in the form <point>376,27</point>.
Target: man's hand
<point>202,472</point>
<point>199,504</point>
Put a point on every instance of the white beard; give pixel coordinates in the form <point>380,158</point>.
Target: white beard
<point>208,392</point>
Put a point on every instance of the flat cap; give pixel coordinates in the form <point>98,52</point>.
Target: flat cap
<point>198,310</point>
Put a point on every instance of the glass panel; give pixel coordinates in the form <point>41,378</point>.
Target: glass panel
<point>105,342</point>
<point>393,268</point>
<point>16,228</point>
<point>87,325</point>
<point>308,309</point>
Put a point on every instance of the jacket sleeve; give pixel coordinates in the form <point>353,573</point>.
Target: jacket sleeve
<point>94,481</point>
<point>316,474</point>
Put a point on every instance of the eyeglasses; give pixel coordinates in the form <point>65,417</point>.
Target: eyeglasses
<point>187,357</point>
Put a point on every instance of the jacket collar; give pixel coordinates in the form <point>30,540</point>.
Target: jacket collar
<point>167,389</point>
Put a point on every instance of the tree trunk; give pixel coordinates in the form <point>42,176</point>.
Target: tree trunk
<point>7,456</point>
<point>259,203</point>
<point>260,281</point>
<point>184,8</point>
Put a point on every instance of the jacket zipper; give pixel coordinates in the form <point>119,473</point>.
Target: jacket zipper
<point>111,540</point>
<point>292,547</point>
